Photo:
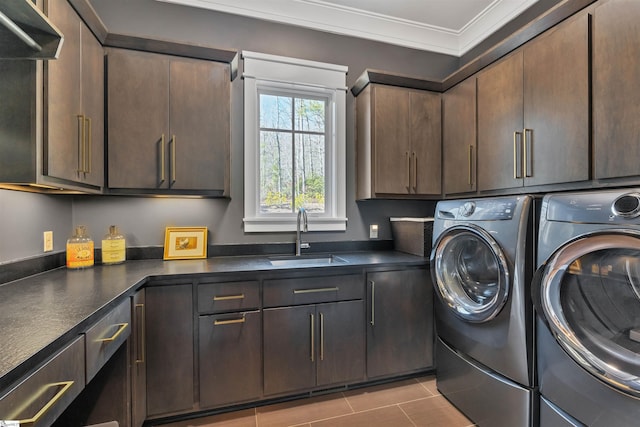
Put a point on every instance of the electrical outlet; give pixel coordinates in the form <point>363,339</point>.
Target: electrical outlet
<point>48,241</point>
<point>373,231</point>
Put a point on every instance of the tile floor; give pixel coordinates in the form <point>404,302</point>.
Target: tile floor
<point>412,403</point>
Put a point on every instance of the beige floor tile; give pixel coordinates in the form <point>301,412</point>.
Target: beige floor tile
<point>244,418</point>
<point>429,382</point>
<point>303,411</point>
<point>434,411</point>
<point>386,394</point>
<point>390,416</point>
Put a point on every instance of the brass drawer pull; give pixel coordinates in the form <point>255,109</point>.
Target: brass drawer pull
<point>89,144</point>
<point>315,290</point>
<point>141,337</point>
<point>321,336</point>
<point>81,143</point>
<point>415,172</point>
<point>173,158</point>
<point>313,337</point>
<point>121,329</point>
<point>228,321</point>
<point>373,303</point>
<point>162,159</point>
<point>228,297</point>
<point>470,165</point>
<point>66,385</point>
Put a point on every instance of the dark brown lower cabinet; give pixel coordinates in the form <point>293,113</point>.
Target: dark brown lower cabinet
<point>399,323</point>
<point>169,348</point>
<point>230,354</point>
<point>310,346</point>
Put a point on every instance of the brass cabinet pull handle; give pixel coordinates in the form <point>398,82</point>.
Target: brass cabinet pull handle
<point>313,338</point>
<point>141,339</point>
<point>162,159</point>
<point>470,165</point>
<point>373,303</point>
<point>81,141</point>
<point>516,175</point>
<point>228,321</point>
<point>173,158</point>
<point>89,146</point>
<point>528,167</point>
<point>121,329</point>
<point>321,336</point>
<point>314,290</point>
<point>406,154</point>
<point>228,297</point>
<point>415,172</point>
<point>66,385</point>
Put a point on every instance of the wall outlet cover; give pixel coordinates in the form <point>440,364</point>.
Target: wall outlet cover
<point>48,241</point>
<point>373,231</point>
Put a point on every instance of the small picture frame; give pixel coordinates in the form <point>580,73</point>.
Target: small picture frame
<point>185,243</point>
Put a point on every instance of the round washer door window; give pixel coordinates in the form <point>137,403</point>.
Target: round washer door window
<point>590,297</point>
<point>471,273</point>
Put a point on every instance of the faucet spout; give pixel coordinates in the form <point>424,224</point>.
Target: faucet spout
<point>302,215</point>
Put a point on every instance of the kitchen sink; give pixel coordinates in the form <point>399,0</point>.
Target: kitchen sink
<point>306,260</point>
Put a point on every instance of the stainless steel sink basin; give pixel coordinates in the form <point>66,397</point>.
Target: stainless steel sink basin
<point>306,260</point>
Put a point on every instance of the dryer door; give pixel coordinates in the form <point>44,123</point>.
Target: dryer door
<point>590,298</point>
<point>471,273</point>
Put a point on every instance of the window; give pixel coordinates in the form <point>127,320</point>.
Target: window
<point>294,143</point>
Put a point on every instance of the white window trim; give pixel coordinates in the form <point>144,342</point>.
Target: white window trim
<point>262,69</point>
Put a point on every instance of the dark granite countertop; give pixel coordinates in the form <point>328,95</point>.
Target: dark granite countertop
<point>40,313</point>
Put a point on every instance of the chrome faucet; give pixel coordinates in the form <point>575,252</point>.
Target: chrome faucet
<point>302,214</point>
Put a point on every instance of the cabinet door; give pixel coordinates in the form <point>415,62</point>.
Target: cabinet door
<point>426,142</point>
<point>459,138</point>
<point>92,108</point>
<point>200,125</point>
<point>500,125</point>
<point>289,349</point>
<point>62,144</point>
<point>556,105</point>
<point>138,361</point>
<point>138,118</point>
<point>169,349</point>
<point>392,146</point>
<point>400,322</point>
<point>230,358</point>
<point>616,89</point>
<point>341,350</point>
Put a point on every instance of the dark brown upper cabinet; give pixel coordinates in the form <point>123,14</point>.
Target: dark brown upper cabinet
<point>398,142</point>
<point>459,145</point>
<point>168,124</point>
<point>616,88</point>
<point>533,112</point>
<point>74,107</point>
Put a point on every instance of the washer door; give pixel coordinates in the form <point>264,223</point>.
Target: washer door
<point>590,298</point>
<point>471,273</point>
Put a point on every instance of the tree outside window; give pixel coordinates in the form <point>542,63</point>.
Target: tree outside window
<point>293,134</point>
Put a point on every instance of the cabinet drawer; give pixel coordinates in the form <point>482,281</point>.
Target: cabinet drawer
<point>106,336</point>
<point>228,296</point>
<point>44,395</point>
<point>311,290</point>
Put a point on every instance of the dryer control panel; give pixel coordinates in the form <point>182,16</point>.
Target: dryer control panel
<point>478,210</point>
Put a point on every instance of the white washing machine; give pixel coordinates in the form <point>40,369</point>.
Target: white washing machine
<point>587,296</point>
<point>482,263</point>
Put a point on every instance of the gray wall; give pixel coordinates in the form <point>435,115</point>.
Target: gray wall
<point>23,218</point>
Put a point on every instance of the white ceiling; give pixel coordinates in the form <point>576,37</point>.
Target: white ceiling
<point>445,26</point>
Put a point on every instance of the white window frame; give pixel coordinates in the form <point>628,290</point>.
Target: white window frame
<point>301,77</point>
